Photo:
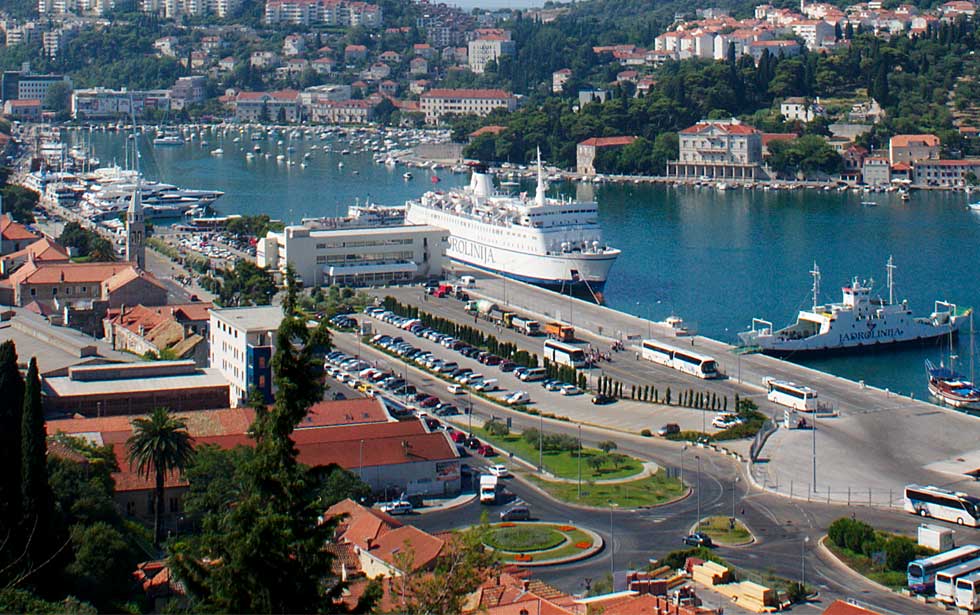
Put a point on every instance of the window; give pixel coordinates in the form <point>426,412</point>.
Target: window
<point>130,508</point>
<point>174,505</point>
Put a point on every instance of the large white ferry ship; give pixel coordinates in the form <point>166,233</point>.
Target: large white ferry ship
<point>545,241</point>
<point>860,322</point>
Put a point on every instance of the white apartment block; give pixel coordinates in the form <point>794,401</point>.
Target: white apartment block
<point>242,342</point>
<point>173,9</point>
<point>718,149</point>
<point>481,51</point>
<point>355,256</point>
<point>814,32</point>
<point>326,12</point>
<point>436,104</point>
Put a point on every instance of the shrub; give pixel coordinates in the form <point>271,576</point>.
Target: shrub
<point>496,428</point>
<point>646,433</point>
<point>899,551</point>
<point>851,534</point>
<point>676,559</point>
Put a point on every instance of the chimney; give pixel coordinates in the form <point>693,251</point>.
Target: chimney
<point>370,544</point>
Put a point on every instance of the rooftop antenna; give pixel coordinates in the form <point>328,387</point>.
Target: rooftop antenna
<point>815,272</point>
<point>539,195</point>
<point>891,280</point>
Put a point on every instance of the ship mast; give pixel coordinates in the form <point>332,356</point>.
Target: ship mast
<point>539,195</point>
<point>891,280</point>
<point>815,272</point>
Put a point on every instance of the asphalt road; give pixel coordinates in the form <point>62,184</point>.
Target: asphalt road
<point>780,525</point>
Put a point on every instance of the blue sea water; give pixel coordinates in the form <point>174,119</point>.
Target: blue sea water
<point>716,259</point>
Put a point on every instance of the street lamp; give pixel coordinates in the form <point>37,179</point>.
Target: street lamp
<point>540,442</point>
<point>580,461</point>
<point>683,448</point>
<point>612,544</point>
<point>698,457</point>
<point>734,481</point>
<point>806,539</point>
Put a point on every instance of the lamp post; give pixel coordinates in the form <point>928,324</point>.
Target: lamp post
<point>612,544</point>
<point>683,448</point>
<point>734,481</point>
<point>698,457</point>
<point>806,539</point>
<point>814,429</point>
<point>580,461</point>
<point>469,402</point>
<point>540,442</point>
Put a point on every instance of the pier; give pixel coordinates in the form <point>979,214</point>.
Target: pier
<point>864,450</point>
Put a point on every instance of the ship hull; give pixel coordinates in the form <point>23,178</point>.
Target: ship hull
<point>880,345</point>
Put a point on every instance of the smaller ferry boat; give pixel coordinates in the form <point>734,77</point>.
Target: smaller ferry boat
<point>859,322</point>
<point>169,139</point>
<point>951,387</point>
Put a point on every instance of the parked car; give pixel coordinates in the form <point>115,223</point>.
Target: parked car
<point>518,397</point>
<point>456,389</point>
<point>603,400</point>
<point>699,539</point>
<point>507,366</point>
<point>570,389</point>
<point>669,429</point>
<point>472,443</point>
<point>520,512</point>
<point>486,450</point>
<point>429,402</point>
<point>458,437</point>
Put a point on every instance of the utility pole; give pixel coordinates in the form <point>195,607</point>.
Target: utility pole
<point>540,443</point>
<point>580,461</point>
<point>806,539</point>
<point>734,481</point>
<point>814,429</point>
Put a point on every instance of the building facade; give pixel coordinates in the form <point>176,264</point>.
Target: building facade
<point>718,149</point>
<point>586,151</point>
<point>876,171</point>
<point>268,106</point>
<point>945,173</point>
<point>242,341</point>
<point>355,256</point>
<point>437,104</point>
<point>483,50</point>
<point>912,148</point>
<point>102,104</point>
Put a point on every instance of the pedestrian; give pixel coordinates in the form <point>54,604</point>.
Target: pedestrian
<point>692,342</point>
<point>637,356</point>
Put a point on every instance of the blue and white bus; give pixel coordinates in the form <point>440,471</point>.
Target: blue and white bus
<point>921,573</point>
<point>958,508</point>
<point>680,359</point>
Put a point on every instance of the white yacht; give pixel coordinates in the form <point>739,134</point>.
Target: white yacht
<point>860,322</point>
<point>546,241</point>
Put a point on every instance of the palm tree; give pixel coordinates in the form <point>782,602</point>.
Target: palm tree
<point>159,445</point>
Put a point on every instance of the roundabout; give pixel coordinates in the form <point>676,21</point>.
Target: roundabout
<point>534,543</point>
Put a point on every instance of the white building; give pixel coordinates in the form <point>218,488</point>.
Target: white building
<point>559,78</point>
<point>352,256</point>
<point>100,103</point>
<point>242,344</point>
<point>718,149</point>
<point>489,48</point>
<point>436,104</point>
<point>800,109</point>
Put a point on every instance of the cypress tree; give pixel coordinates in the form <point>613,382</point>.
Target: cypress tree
<point>36,499</point>
<point>12,394</point>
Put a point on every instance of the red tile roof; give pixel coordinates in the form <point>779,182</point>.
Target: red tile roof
<point>493,129</point>
<point>608,141</point>
<point>76,273</point>
<point>125,276</point>
<point>728,127</point>
<point>14,231</point>
<point>466,93</point>
<point>44,249</point>
<point>839,607</point>
<point>914,140</point>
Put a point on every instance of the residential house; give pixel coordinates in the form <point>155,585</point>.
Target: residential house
<point>323,66</point>
<point>853,156</point>
<point>264,59</point>
<point>587,150</point>
<point>355,53</point>
<point>945,173</point>
<point>911,148</point>
<point>277,106</point>
<point>14,236</point>
<point>188,91</point>
<point>424,50</point>
<point>226,64</point>
<point>876,171</point>
<point>116,284</point>
<point>776,48</point>
<point>26,110</point>
<point>799,109</point>
<point>44,250</point>
<point>418,66</point>
<point>294,45</point>
<point>166,46</point>
<point>489,48</point>
<point>388,87</point>
<point>815,33</point>
<point>178,330</point>
<point>559,78</point>
<point>718,149</point>
<point>770,137</point>
<point>241,342</point>
<point>390,57</point>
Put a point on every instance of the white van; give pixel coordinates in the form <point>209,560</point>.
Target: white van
<point>468,281</point>
<point>534,374</point>
<point>490,384</point>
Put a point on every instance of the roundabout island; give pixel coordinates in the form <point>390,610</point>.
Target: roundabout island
<point>534,543</point>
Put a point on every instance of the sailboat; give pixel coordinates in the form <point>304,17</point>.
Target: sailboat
<point>951,387</point>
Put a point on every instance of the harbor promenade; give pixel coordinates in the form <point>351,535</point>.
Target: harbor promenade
<point>867,448</point>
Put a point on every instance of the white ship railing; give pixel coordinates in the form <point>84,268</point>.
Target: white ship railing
<point>767,327</point>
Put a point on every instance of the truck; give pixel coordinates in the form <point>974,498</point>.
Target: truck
<point>525,325</point>
<point>483,307</point>
<point>443,290</point>
<point>935,537</point>
<point>488,489</point>
<point>559,331</point>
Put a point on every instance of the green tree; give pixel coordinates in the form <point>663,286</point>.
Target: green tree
<point>12,392</point>
<point>277,507</point>
<point>246,284</point>
<point>336,484</point>
<point>607,446</point>
<point>101,250</point>
<point>19,202</point>
<point>36,500</point>
<point>57,97</point>
<point>160,445</point>
<point>103,560</point>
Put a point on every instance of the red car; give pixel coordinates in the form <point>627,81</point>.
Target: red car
<point>429,402</point>
<point>486,450</point>
<point>458,437</point>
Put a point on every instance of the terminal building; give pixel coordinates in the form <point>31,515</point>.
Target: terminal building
<point>356,256</point>
<point>241,344</point>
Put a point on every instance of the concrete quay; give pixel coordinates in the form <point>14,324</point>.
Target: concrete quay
<point>874,444</point>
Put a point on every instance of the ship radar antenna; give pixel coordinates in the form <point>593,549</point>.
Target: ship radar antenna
<point>539,195</point>
<point>815,272</point>
<point>891,279</point>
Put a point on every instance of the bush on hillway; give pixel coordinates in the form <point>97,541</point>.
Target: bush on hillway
<point>496,428</point>
<point>851,534</point>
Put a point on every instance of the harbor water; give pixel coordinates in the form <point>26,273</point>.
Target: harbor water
<point>715,258</point>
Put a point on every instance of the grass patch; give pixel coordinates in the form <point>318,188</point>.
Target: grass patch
<point>573,542</point>
<point>722,533</point>
<point>650,491</point>
<point>563,464</point>
<point>863,565</point>
<point>524,538</point>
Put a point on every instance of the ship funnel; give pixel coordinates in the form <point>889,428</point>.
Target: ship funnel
<point>480,183</point>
